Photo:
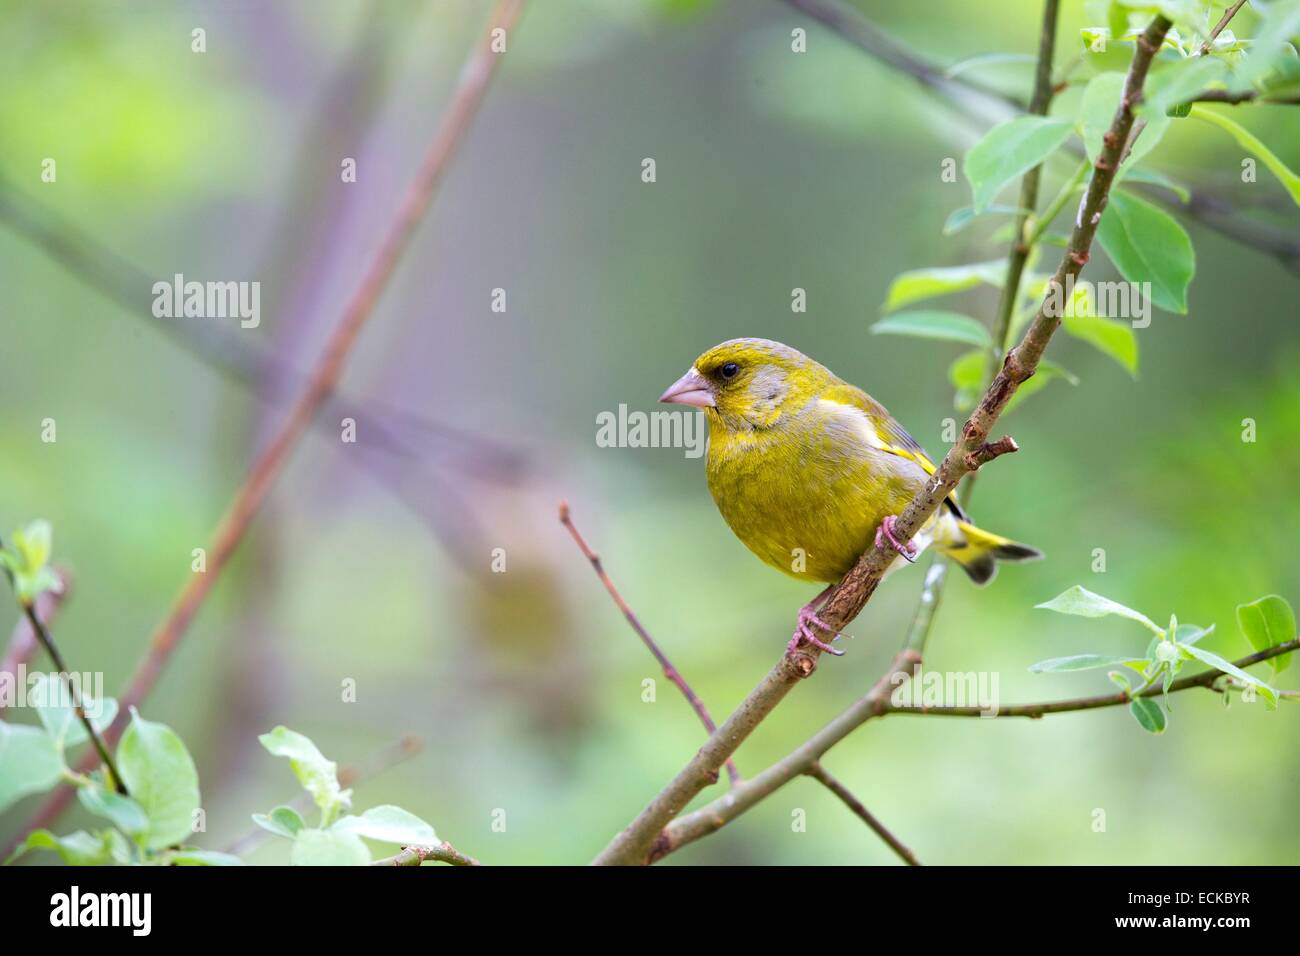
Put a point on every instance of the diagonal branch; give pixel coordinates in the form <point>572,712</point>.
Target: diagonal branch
<point>877,703</point>
<point>824,776</point>
<point>670,672</point>
<point>23,642</point>
<point>472,84</point>
<point>634,844</point>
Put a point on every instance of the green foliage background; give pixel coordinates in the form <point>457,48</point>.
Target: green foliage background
<point>774,171</point>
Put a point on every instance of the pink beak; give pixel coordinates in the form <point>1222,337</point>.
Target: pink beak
<point>691,389</point>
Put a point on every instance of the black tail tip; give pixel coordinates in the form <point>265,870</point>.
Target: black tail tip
<point>1016,552</point>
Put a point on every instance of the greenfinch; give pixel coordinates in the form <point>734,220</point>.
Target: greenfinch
<point>808,470</point>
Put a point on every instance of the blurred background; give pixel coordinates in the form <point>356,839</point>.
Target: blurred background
<point>774,171</point>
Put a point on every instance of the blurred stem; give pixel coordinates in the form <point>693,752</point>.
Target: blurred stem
<point>1021,247</point>
<point>472,85</point>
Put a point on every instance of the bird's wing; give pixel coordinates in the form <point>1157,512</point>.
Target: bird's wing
<point>891,436</point>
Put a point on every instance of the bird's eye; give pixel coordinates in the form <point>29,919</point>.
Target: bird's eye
<point>730,369</point>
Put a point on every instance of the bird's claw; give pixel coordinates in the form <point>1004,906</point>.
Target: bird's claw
<point>908,551</point>
<point>804,634</point>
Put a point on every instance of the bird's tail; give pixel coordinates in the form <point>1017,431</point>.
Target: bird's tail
<point>978,551</point>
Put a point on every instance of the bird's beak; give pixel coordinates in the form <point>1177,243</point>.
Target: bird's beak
<point>691,389</point>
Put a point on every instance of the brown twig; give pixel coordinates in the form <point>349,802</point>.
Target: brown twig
<point>877,703</point>
<point>415,855</point>
<point>671,672</point>
<point>46,640</point>
<point>989,450</point>
<point>1218,27</point>
<point>23,642</point>
<point>824,776</point>
<point>471,86</point>
<point>395,753</point>
<point>636,842</point>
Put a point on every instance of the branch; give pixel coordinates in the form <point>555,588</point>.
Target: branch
<point>46,640</point>
<point>634,844</point>
<point>23,642</point>
<point>415,855</point>
<point>1218,27</point>
<point>820,773</point>
<point>1206,679</point>
<point>855,28</point>
<point>713,816</point>
<point>471,86</point>
<point>671,672</point>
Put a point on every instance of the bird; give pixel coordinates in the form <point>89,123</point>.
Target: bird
<point>809,470</point>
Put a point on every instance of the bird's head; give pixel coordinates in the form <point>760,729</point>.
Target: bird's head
<point>749,383</point>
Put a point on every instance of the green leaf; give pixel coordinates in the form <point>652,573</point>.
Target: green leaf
<point>984,59</point>
<point>1179,83</point>
<point>76,849</point>
<point>1096,113</point>
<point>30,762</point>
<point>917,284</point>
<point>282,821</point>
<point>49,695</point>
<point>1008,150</point>
<point>318,776</point>
<point>329,848</point>
<point>1191,633</point>
<point>1143,174</point>
<point>192,856</point>
<point>1248,142</point>
<point>1272,44</point>
<point>959,219</point>
<point>1083,662</point>
<point>1267,623</point>
<point>1148,245</point>
<point>935,324</point>
<point>1081,602</point>
<point>1146,711</point>
<point>1108,336</point>
<point>161,778</point>
<point>1047,372</point>
<point>33,545</point>
<point>1217,662</point>
<point>124,812</point>
<point>966,374</point>
<point>389,824</point>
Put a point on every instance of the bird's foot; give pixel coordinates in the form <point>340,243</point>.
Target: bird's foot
<point>908,551</point>
<point>804,633</point>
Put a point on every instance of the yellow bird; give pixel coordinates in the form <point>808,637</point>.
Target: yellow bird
<point>808,470</point>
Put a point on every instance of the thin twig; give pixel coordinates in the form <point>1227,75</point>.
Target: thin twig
<point>634,845</point>
<point>23,642</point>
<point>415,855</point>
<point>877,703</point>
<point>1204,679</point>
<point>1218,27</point>
<point>395,753</point>
<point>820,773</point>
<point>671,672</point>
<point>471,86</point>
<point>46,640</point>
